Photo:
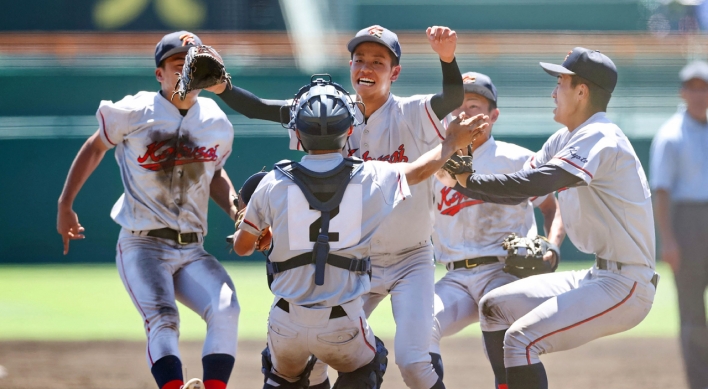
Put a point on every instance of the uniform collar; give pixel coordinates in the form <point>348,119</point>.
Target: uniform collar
<point>322,157</point>
<point>484,147</point>
<point>596,118</point>
<point>693,123</point>
<point>379,111</point>
<point>171,107</point>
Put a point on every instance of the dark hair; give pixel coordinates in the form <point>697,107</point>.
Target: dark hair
<point>492,104</point>
<point>394,59</point>
<point>599,98</point>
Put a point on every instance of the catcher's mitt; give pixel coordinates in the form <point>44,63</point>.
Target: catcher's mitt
<point>459,164</point>
<point>526,255</point>
<point>203,67</point>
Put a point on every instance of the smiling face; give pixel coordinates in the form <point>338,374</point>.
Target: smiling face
<point>167,76</point>
<point>371,71</point>
<point>568,100</point>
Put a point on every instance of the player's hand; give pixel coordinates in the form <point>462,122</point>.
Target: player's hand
<point>550,257</point>
<point>218,88</point>
<point>463,130</point>
<point>670,253</point>
<point>444,177</point>
<point>443,40</point>
<point>68,227</point>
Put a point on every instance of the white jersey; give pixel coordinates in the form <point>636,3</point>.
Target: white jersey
<point>277,202</point>
<point>467,228</point>
<point>610,215</point>
<point>166,160</point>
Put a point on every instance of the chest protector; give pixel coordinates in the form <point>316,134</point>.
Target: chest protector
<point>324,192</point>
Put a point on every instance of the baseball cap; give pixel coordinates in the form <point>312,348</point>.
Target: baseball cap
<point>376,34</point>
<point>695,69</point>
<point>591,65</point>
<point>176,42</point>
<point>480,84</point>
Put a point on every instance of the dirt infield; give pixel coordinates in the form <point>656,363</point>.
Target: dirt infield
<point>606,363</point>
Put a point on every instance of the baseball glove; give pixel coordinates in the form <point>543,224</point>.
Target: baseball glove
<point>459,164</point>
<point>203,67</point>
<point>526,255</point>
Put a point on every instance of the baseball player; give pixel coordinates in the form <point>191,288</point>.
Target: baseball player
<point>323,212</point>
<point>171,155</point>
<point>606,207</point>
<point>468,233</point>
<point>392,129</point>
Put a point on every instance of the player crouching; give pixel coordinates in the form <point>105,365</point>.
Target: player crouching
<point>323,212</point>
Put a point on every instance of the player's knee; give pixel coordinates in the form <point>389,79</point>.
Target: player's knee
<point>369,376</point>
<point>167,320</point>
<point>417,374</point>
<point>519,349</point>
<point>491,312</point>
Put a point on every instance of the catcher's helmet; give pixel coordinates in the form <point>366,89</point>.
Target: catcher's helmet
<point>322,112</point>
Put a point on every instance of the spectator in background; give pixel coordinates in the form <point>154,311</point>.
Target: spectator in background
<point>679,179</point>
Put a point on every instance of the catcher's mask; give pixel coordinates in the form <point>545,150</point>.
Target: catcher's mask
<point>322,112</point>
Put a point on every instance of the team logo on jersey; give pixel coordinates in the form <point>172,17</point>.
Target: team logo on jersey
<point>468,79</point>
<point>376,31</point>
<point>397,156</point>
<point>574,155</point>
<point>187,39</point>
<point>452,202</point>
<point>166,154</point>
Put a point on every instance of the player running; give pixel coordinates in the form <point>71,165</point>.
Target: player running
<point>171,155</point>
<point>392,129</point>
<point>469,233</point>
<point>323,213</point>
<point>605,202</point>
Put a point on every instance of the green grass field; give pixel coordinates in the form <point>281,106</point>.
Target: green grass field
<point>83,302</point>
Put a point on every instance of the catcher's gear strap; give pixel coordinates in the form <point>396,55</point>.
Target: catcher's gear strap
<point>336,313</point>
<point>369,376</point>
<point>324,192</point>
<point>355,265</point>
<point>471,263</point>
<point>267,370</point>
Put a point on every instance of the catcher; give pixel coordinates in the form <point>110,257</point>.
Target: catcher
<point>469,235</point>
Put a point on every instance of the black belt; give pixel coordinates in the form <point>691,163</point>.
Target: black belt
<point>602,264</point>
<point>472,262</point>
<point>168,233</point>
<point>356,265</point>
<point>336,313</point>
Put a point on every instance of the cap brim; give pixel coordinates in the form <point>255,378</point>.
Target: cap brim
<point>176,50</point>
<point>554,70</point>
<point>351,46</point>
<point>479,90</point>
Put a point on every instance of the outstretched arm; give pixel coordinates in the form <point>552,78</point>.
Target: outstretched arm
<point>443,40</point>
<point>86,161</point>
<point>460,132</point>
<point>248,104</point>
<point>522,184</point>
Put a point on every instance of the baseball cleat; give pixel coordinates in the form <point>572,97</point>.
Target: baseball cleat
<point>194,383</point>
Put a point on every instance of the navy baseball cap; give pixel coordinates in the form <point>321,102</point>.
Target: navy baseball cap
<point>376,34</point>
<point>591,65</point>
<point>480,84</point>
<point>176,42</point>
<point>695,69</point>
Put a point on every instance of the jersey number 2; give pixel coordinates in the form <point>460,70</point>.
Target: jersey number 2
<point>304,223</point>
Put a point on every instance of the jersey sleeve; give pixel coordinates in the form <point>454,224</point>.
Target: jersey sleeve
<point>391,182</point>
<point>544,155</point>
<point>421,119</point>
<point>257,214</point>
<point>662,162</point>
<point>584,154</point>
<point>114,121</point>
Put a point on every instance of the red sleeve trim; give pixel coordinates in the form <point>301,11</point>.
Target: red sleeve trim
<point>579,168</point>
<point>433,121</point>
<point>528,353</point>
<point>103,126</point>
<point>531,161</point>
<point>533,198</point>
<point>251,224</point>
